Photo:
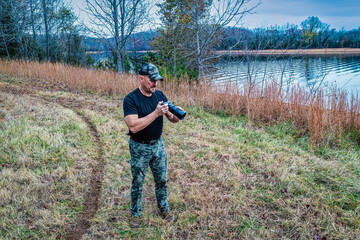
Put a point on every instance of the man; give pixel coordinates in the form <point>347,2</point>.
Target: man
<point>143,112</point>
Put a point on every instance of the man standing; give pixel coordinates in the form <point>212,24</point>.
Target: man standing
<point>143,114</point>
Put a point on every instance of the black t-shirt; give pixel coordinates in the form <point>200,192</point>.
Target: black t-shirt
<point>136,103</point>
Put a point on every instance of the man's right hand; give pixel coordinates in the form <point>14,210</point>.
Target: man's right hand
<point>136,124</point>
<point>161,109</point>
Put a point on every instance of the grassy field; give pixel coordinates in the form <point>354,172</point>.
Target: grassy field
<point>228,178</point>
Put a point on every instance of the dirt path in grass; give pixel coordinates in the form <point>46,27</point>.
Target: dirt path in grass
<point>92,196</point>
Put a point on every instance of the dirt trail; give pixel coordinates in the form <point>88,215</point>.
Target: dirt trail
<point>92,196</point>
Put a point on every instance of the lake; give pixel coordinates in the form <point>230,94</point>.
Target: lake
<point>342,72</point>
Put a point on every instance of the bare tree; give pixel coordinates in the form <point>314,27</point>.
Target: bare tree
<point>35,21</point>
<point>40,29</point>
<point>68,35</point>
<point>14,23</point>
<point>45,12</point>
<point>18,19</point>
<point>7,36</point>
<point>198,25</point>
<point>50,10</point>
<point>223,13</point>
<point>114,21</point>
<point>4,41</point>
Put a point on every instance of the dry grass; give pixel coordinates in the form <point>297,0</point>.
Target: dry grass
<point>326,116</point>
<point>228,179</point>
<point>73,77</point>
<point>45,162</point>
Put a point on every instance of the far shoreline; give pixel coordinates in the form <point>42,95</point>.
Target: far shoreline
<point>320,52</point>
<point>344,52</point>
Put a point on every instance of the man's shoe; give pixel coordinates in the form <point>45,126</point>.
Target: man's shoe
<point>134,222</point>
<point>167,216</point>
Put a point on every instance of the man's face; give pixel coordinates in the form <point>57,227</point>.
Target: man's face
<point>148,85</point>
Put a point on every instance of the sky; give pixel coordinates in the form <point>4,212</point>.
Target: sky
<point>337,13</point>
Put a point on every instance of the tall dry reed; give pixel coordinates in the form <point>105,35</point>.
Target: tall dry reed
<point>325,116</point>
<point>73,77</point>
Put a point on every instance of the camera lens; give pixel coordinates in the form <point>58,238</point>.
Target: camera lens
<point>175,110</point>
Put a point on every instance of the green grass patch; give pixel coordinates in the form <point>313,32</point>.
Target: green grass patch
<point>43,173</point>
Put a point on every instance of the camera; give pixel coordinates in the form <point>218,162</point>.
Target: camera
<point>175,110</point>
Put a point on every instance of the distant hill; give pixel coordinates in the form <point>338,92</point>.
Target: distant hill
<point>138,41</point>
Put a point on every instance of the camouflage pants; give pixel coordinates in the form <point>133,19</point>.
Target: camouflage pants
<point>143,156</point>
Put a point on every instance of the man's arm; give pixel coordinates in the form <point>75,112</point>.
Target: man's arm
<point>172,118</point>
<point>136,124</point>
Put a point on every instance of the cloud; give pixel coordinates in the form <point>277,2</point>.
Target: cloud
<point>279,12</point>
<point>282,7</point>
<point>310,7</point>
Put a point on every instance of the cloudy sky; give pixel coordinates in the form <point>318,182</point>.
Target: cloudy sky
<point>337,13</point>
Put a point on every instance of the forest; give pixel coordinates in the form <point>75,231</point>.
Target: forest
<point>184,42</point>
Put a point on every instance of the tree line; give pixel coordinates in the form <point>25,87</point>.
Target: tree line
<point>47,30</point>
<point>312,33</point>
<point>43,30</point>
<point>189,33</point>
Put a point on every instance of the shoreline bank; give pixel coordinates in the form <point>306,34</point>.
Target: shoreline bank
<point>275,52</point>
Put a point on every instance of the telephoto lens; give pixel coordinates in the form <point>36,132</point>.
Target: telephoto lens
<point>175,110</point>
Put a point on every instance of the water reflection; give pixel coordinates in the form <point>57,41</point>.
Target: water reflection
<point>311,72</point>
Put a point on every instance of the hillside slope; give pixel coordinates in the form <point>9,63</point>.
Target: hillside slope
<point>228,179</point>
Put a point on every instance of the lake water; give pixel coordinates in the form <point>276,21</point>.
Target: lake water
<point>311,72</point>
<point>342,72</point>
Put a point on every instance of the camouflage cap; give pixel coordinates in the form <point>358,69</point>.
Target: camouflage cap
<point>152,71</point>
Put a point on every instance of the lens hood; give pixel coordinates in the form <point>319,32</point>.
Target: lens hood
<point>175,110</point>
